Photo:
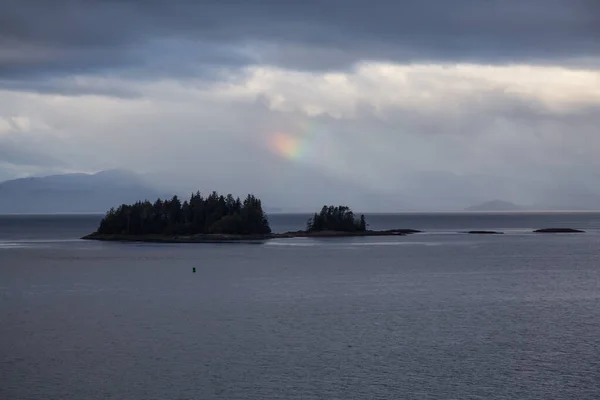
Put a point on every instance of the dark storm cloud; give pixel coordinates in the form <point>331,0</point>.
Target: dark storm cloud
<point>179,37</point>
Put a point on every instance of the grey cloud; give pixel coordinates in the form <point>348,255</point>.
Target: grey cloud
<point>93,36</point>
<point>519,147</point>
<point>21,154</point>
<point>374,161</point>
<point>68,87</point>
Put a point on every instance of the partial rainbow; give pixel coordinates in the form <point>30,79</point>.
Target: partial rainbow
<point>301,145</point>
<point>287,146</point>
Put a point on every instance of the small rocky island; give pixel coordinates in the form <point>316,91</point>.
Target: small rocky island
<point>558,230</point>
<point>218,218</point>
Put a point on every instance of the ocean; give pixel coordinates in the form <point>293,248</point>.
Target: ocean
<point>436,315</point>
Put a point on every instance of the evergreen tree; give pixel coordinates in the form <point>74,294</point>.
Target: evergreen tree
<point>213,214</point>
<point>363,223</point>
<point>336,218</point>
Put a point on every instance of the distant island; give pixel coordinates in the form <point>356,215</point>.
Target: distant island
<point>219,218</point>
<point>495,205</point>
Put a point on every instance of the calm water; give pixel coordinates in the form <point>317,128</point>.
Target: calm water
<point>438,315</point>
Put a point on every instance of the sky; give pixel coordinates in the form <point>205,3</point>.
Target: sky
<point>386,104</point>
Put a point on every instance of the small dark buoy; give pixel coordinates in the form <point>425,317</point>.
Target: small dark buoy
<point>194,269</point>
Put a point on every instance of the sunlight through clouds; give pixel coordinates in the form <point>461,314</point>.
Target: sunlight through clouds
<point>426,87</point>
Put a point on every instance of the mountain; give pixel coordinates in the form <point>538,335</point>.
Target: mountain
<point>66,193</point>
<point>495,205</point>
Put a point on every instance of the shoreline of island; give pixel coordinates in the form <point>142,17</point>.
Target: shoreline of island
<point>259,238</point>
<point>234,238</point>
<point>217,219</point>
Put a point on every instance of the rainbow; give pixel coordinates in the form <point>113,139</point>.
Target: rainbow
<point>287,146</point>
<point>300,146</point>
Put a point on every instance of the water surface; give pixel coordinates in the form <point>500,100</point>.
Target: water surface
<point>439,315</point>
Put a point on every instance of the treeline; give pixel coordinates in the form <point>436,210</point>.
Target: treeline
<point>336,218</point>
<point>213,214</point>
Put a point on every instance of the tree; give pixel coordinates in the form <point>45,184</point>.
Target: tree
<point>336,218</point>
<point>213,214</point>
<point>363,223</point>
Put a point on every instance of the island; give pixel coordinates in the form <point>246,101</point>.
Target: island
<point>495,206</point>
<point>218,218</point>
<point>337,219</point>
<point>558,230</point>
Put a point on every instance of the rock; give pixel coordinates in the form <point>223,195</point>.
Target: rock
<point>402,231</point>
<point>558,230</point>
<point>485,233</point>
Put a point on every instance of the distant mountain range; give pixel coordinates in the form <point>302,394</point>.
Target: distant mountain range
<point>80,193</point>
<point>499,205</point>
<point>293,189</point>
<point>496,205</point>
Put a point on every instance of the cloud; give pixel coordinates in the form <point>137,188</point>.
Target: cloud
<point>374,126</point>
<point>27,152</point>
<point>444,88</point>
<point>146,39</point>
<point>286,96</point>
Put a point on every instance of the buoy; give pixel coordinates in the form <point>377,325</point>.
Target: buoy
<point>194,269</point>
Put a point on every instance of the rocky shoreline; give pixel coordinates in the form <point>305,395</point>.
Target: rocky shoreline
<point>258,238</point>
<point>218,238</point>
<point>558,230</point>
